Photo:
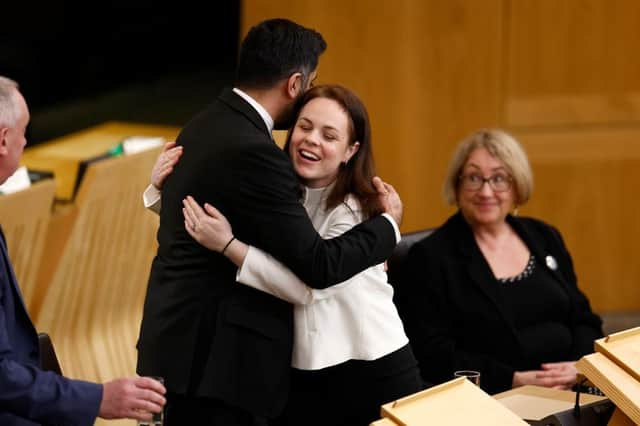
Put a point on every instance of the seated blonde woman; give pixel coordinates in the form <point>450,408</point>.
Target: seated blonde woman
<point>491,291</point>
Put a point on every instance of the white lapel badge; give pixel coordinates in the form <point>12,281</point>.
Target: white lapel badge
<point>551,262</point>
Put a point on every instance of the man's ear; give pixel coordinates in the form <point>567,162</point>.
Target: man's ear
<point>294,84</point>
<point>4,145</point>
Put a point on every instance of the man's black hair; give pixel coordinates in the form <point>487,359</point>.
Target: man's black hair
<point>276,48</point>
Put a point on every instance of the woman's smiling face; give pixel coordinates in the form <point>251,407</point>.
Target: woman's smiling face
<point>320,141</point>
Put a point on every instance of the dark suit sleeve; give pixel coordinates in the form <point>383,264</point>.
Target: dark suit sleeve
<point>43,397</point>
<point>268,200</point>
<point>433,324</point>
<point>586,325</point>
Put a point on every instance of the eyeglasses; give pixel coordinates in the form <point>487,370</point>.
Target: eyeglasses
<point>474,182</point>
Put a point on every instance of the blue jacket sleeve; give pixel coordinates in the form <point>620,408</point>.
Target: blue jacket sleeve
<point>27,392</point>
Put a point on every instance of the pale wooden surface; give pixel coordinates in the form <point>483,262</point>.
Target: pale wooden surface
<point>93,304</point>
<point>24,216</point>
<point>619,386</point>
<point>559,73</point>
<point>428,72</point>
<point>442,404</point>
<point>98,271</point>
<point>384,422</point>
<point>624,349</point>
<point>536,402</point>
<point>619,418</point>
<point>63,155</point>
<point>432,71</point>
<point>98,250</point>
<point>584,185</point>
<point>58,232</point>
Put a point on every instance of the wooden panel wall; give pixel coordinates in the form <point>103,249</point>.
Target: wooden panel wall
<point>573,98</point>
<point>587,190</point>
<point>562,75</point>
<point>419,67</point>
<point>570,62</point>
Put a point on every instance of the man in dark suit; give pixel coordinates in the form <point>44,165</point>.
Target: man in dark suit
<point>225,349</point>
<point>28,395</point>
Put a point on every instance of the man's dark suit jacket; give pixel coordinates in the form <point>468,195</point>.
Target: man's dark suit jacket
<point>28,395</point>
<point>204,333</point>
<point>454,313</point>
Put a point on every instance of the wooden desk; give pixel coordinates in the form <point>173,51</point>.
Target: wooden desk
<point>63,155</point>
<point>457,402</point>
<point>534,403</point>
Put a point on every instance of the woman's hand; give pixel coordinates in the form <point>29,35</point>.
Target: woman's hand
<point>389,199</point>
<point>557,375</point>
<point>164,164</point>
<point>207,226</point>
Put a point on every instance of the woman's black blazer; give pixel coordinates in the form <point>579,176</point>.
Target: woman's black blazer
<point>454,313</point>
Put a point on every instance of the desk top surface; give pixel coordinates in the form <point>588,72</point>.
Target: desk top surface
<point>63,155</point>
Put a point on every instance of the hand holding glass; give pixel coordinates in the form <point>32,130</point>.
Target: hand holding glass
<point>157,419</point>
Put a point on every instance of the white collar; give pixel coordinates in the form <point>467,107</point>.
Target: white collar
<point>316,195</point>
<point>259,108</point>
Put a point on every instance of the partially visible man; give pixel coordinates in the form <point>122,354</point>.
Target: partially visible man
<point>225,349</point>
<point>28,395</point>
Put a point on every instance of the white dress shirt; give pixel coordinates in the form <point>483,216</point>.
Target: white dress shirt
<point>268,120</point>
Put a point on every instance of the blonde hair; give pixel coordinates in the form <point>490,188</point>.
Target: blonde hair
<point>501,146</point>
<point>8,104</point>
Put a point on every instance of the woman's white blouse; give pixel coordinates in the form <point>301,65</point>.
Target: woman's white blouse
<point>355,319</point>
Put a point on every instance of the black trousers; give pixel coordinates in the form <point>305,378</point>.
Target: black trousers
<point>351,393</point>
<point>182,410</point>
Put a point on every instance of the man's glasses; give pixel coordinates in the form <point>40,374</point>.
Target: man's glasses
<point>474,182</point>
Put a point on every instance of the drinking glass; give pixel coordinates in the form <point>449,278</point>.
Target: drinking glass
<point>473,376</point>
<point>158,418</point>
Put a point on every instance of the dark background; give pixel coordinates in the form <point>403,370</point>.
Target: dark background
<point>84,63</point>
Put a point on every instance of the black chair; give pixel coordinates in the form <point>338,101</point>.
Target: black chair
<point>396,264</point>
<point>48,358</point>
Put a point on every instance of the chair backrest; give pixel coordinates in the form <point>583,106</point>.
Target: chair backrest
<point>25,216</point>
<point>48,358</point>
<point>93,304</point>
<point>396,263</point>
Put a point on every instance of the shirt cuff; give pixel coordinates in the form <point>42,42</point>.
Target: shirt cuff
<point>396,229</point>
<point>150,196</point>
